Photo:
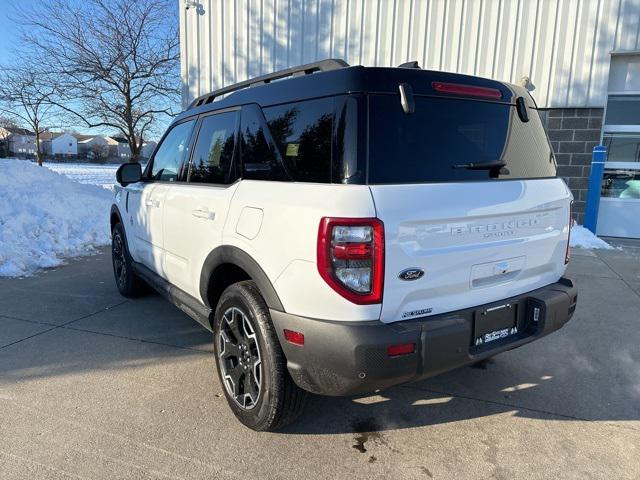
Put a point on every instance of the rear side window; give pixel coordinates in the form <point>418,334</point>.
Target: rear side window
<point>433,144</point>
<point>172,152</point>
<point>303,132</point>
<point>212,160</point>
<point>260,157</point>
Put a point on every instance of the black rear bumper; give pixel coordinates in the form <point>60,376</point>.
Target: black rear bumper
<point>346,358</point>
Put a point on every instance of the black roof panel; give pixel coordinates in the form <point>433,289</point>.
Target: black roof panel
<point>357,79</point>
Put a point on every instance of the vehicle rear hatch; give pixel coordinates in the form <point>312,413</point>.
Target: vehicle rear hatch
<point>464,182</point>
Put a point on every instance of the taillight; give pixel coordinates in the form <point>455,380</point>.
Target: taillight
<point>351,257</point>
<point>466,90</point>
<point>567,253</point>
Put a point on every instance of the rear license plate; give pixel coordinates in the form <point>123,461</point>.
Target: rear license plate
<point>494,323</point>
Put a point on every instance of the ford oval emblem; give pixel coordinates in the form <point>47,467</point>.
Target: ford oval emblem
<point>411,274</point>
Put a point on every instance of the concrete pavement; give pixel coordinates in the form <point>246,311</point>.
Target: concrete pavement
<point>96,386</point>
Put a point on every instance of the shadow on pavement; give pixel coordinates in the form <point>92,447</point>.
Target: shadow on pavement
<point>590,370</point>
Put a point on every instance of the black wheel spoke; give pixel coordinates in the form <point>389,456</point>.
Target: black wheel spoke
<point>228,349</point>
<point>234,323</point>
<point>252,385</point>
<point>235,374</point>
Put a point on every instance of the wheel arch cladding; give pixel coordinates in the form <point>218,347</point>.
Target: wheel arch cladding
<point>233,262</point>
<point>115,216</point>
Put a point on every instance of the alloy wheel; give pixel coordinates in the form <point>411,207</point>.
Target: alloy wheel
<point>119,261</point>
<point>240,359</point>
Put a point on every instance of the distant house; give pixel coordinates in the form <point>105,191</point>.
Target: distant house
<point>121,148</point>
<point>20,141</point>
<point>124,152</point>
<point>92,146</point>
<point>59,143</point>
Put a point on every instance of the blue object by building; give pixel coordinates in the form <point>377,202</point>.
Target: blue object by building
<point>595,185</point>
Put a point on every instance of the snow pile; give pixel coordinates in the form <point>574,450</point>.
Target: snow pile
<point>45,216</point>
<point>94,174</point>
<point>583,238</point>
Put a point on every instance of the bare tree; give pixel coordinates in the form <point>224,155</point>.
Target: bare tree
<point>26,97</point>
<point>117,60</point>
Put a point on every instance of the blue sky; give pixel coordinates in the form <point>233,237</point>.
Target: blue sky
<point>10,39</point>
<point>9,31</point>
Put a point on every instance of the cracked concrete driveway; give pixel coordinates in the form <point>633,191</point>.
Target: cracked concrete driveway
<point>95,386</point>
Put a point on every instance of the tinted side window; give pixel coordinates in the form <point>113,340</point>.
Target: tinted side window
<point>302,131</point>
<point>172,152</point>
<point>260,157</point>
<point>212,160</point>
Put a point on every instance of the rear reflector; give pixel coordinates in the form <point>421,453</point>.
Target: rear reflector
<point>466,90</point>
<point>402,349</point>
<point>296,338</point>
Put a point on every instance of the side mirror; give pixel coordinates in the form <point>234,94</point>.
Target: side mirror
<point>129,173</point>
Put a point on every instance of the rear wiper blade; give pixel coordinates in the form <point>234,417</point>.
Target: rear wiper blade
<point>482,166</point>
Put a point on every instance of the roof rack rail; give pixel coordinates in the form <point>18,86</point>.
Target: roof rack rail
<point>309,68</point>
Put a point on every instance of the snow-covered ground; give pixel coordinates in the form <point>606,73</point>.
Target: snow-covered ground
<point>46,217</point>
<point>583,238</point>
<point>94,174</point>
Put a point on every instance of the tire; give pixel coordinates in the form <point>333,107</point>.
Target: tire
<point>248,354</point>
<point>128,283</point>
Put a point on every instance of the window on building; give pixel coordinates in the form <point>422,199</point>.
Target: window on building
<point>213,154</point>
<point>621,183</point>
<point>260,157</point>
<point>622,147</point>
<point>303,132</point>
<point>624,74</point>
<point>174,150</point>
<point>623,110</point>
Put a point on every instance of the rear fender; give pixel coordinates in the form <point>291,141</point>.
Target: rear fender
<point>240,258</point>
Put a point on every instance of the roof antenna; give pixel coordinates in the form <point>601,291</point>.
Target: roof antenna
<point>411,64</point>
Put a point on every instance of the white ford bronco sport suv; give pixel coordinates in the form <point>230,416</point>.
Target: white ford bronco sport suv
<point>345,229</point>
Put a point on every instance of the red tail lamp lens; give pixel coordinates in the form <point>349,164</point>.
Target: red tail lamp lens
<point>296,338</point>
<point>466,90</point>
<point>401,349</point>
<point>352,251</point>
<point>350,256</point>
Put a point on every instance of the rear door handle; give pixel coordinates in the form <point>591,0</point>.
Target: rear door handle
<point>203,213</point>
<point>152,203</point>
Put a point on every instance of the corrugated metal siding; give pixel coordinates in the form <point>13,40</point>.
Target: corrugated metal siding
<point>562,45</point>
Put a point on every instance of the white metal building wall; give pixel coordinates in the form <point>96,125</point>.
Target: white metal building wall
<point>562,45</point>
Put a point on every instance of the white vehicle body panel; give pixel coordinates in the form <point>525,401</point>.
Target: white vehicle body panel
<point>285,245</point>
<point>477,242</point>
<point>194,218</point>
<point>145,228</point>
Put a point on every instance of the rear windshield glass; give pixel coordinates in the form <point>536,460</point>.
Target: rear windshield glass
<point>434,143</point>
